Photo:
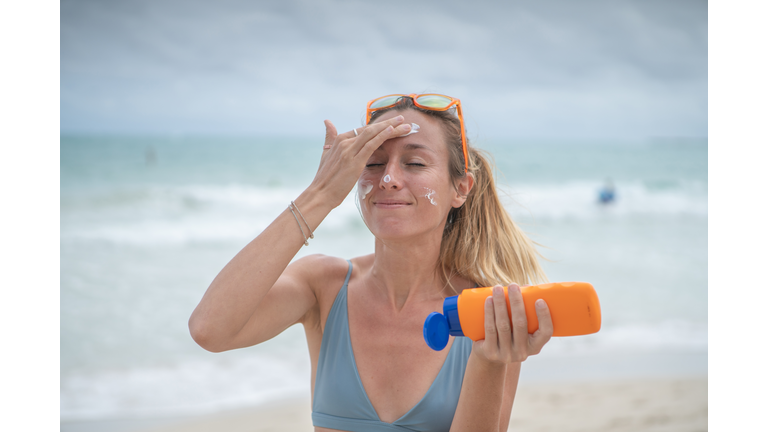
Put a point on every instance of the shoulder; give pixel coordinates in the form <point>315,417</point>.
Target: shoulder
<point>319,270</point>
<point>459,284</point>
<point>324,275</point>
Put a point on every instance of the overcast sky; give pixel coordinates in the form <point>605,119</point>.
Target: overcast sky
<point>551,69</point>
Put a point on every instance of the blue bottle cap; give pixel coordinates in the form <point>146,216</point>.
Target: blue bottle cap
<point>436,331</point>
<point>451,311</point>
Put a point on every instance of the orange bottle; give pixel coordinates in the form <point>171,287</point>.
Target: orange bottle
<point>574,308</point>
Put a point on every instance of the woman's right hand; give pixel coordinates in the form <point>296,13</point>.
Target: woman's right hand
<point>344,156</point>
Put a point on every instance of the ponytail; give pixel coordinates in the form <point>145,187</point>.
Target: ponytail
<point>480,242</point>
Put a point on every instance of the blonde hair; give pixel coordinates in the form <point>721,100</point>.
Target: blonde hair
<point>481,242</point>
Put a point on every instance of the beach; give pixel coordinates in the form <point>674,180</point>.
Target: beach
<point>147,223</point>
<point>649,405</point>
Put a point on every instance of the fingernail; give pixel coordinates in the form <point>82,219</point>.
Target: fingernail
<point>408,127</point>
<point>497,290</point>
<point>515,287</point>
<point>399,118</point>
<point>540,304</point>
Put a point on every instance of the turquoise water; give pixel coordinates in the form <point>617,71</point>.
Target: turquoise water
<point>147,223</point>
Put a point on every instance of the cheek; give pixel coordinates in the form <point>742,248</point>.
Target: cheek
<point>364,187</point>
<point>430,195</point>
<point>428,190</point>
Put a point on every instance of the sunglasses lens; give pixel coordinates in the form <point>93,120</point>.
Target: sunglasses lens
<point>433,101</point>
<point>385,102</point>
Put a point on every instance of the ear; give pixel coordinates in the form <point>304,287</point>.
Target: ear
<point>462,189</point>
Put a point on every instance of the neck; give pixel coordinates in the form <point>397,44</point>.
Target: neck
<point>405,271</point>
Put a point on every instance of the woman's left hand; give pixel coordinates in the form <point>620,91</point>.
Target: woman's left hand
<point>505,343</point>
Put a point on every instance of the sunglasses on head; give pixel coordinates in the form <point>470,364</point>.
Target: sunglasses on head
<point>430,101</point>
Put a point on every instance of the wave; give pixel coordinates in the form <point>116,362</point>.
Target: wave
<point>185,214</point>
<point>578,200</point>
<point>208,213</point>
<point>192,387</point>
<point>671,335</point>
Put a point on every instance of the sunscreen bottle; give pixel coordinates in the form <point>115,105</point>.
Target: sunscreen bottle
<point>573,306</point>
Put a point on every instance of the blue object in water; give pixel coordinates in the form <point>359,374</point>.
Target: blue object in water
<point>606,196</point>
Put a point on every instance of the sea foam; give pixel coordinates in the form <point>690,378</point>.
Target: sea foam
<point>236,212</point>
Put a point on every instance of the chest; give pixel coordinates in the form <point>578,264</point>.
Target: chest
<point>395,365</point>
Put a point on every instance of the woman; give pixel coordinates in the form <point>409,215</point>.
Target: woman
<point>439,229</point>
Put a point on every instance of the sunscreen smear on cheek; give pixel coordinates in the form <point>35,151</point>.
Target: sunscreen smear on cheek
<point>430,195</point>
<point>364,187</point>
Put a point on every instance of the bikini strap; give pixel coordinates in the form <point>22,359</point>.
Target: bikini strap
<point>349,273</point>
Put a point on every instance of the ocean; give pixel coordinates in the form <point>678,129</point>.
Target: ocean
<point>147,223</point>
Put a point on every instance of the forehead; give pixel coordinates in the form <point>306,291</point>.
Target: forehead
<point>430,130</point>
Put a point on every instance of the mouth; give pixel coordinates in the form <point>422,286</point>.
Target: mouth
<point>390,203</point>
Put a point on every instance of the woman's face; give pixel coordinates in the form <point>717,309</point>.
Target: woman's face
<point>405,189</point>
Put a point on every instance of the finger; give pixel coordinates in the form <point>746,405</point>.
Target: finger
<point>519,320</point>
<point>390,132</point>
<point>491,344</point>
<point>330,133</point>
<point>503,325</point>
<point>367,148</point>
<point>544,333</point>
<point>374,129</point>
<point>402,130</point>
<point>351,134</point>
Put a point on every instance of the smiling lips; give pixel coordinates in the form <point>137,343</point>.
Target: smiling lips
<point>390,203</point>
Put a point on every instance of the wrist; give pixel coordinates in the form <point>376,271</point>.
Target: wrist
<point>323,196</point>
<point>314,206</point>
<point>490,365</point>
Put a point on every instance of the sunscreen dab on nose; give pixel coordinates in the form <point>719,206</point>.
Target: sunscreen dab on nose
<point>414,129</point>
<point>430,195</point>
<point>387,178</point>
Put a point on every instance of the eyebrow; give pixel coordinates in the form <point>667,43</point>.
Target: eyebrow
<point>418,147</point>
<point>412,147</point>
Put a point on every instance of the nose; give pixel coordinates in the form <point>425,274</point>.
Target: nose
<point>391,179</point>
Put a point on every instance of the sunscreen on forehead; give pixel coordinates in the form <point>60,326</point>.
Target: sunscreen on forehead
<point>414,129</point>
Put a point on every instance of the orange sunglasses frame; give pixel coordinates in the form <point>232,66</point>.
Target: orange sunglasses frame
<point>454,102</point>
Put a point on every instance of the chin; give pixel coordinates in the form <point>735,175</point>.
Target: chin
<point>392,232</point>
<point>402,230</point>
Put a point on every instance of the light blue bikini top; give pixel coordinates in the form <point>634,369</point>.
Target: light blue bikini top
<point>340,401</point>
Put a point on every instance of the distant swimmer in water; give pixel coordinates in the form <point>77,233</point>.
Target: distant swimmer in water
<point>607,193</point>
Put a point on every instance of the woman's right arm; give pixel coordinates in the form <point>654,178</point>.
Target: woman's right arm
<point>257,294</point>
